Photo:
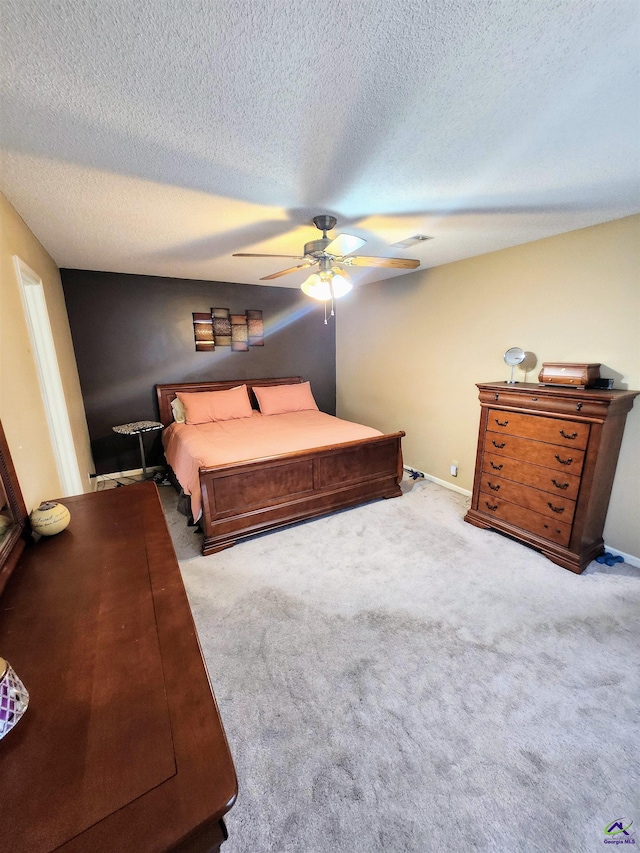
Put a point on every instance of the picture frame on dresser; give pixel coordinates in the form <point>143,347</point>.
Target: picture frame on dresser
<point>14,521</point>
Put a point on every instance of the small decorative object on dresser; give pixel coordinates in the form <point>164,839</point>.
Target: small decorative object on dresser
<point>545,466</point>
<point>512,357</point>
<point>13,698</point>
<point>571,375</point>
<point>50,518</point>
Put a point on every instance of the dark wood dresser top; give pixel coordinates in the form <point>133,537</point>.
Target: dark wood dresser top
<point>121,747</point>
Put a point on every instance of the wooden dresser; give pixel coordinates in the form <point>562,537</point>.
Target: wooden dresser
<point>545,466</point>
<point>121,749</point>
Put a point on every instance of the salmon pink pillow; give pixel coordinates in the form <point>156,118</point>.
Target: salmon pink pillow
<point>206,406</point>
<point>278,399</point>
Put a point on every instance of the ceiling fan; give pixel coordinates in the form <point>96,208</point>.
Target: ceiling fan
<point>331,256</point>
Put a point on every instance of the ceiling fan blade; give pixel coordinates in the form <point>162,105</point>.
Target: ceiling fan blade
<point>397,263</point>
<point>344,244</point>
<point>286,272</point>
<point>251,255</point>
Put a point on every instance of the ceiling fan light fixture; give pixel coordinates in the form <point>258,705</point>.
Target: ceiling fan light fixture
<point>340,283</point>
<point>327,284</point>
<point>316,288</point>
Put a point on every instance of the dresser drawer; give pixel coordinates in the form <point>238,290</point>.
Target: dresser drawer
<point>526,519</point>
<point>539,452</point>
<point>555,506</point>
<point>553,430</point>
<point>585,405</point>
<point>547,479</point>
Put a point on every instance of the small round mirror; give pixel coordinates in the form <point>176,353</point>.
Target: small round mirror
<point>513,356</point>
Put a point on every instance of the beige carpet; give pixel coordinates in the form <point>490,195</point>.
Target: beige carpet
<point>391,678</point>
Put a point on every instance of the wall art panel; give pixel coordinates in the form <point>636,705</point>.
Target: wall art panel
<point>220,328</point>
<point>203,332</point>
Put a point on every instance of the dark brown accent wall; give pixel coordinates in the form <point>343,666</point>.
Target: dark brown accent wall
<point>131,332</point>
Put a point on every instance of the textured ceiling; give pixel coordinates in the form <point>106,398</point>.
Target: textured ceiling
<point>161,136</point>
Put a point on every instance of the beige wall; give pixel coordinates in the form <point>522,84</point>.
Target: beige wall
<point>21,408</point>
<point>410,349</point>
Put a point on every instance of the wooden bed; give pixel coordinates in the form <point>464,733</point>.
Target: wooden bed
<point>244,498</point>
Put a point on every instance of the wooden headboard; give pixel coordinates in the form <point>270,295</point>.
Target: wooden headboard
<point>167,393</point>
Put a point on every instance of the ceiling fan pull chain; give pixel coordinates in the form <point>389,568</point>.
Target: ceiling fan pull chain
<point>325,313</point>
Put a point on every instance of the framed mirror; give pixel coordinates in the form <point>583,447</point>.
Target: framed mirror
<point>13,514</point>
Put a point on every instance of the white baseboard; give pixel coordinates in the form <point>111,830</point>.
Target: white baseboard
<point>630,559</point>
<point>440,482</point>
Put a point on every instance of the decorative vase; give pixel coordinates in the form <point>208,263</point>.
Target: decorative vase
<point>50,518</point>
<point>13,698</point>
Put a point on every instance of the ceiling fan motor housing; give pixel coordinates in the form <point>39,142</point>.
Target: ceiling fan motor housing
<point>316,248</point>
<point>324,222</point>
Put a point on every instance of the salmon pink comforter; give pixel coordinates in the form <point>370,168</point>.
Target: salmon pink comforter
<point>191,447</point>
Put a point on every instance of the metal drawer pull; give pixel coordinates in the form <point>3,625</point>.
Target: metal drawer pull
<point>546,527</point>
<point>562,486</point>
<point>495,467</point>
<point>492,487</point>
<point>579,406</point>
<point>558,509</point>
<point>564,461</point>
<point>496,396</point>
<point>499,446</point>
<point>566,435</point>
<point>501,423</point>
<point>490,506</point>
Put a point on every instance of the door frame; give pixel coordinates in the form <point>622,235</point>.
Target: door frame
<point>48,369</point>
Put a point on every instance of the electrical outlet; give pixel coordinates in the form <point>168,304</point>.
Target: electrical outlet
<point>454,469</point>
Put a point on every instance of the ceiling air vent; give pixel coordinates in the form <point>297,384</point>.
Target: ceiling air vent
<point>411,241</point>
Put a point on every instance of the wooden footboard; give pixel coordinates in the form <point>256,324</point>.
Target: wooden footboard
<point>245,498</point>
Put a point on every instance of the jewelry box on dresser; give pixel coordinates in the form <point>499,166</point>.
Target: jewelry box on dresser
<point>545,466</point>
